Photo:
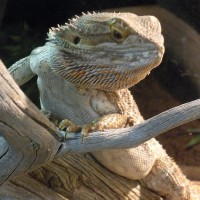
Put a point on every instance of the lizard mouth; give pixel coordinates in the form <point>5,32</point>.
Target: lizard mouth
<point>107,71</point>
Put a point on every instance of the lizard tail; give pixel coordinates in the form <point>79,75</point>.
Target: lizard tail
<point>167,179</point>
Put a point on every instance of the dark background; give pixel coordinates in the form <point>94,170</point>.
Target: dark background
<point>48,13</point>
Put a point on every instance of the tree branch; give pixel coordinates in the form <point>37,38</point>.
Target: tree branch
<point>28,137</point>
<point>133,136</point>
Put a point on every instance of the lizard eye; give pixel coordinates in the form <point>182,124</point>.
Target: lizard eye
<point>118,31</point>
<point>117,35</point>
<point>76,40</point>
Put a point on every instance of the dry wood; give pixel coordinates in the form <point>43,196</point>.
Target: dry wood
<point>26,187</point>
<point>89,180</point>
<point>29,136</point>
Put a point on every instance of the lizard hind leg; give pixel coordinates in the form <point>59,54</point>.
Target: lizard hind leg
<point>167,179</point>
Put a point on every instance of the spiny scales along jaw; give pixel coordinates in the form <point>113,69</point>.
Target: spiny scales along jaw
<point>107,51</point>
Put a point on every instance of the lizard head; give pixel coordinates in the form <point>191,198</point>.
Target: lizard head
<point>107,51</point>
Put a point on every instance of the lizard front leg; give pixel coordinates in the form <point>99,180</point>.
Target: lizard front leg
<point>109,121</point>
<point>21,71</point>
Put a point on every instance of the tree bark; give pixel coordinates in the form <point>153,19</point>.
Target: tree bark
<point>21,149</point>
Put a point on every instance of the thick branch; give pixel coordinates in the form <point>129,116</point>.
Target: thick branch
<point>26,187</point>
<point>28,137</point>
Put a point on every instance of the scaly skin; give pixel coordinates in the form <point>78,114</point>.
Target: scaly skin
<point>84,73</point>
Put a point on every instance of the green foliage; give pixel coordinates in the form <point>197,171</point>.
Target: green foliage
<point>195,140</point>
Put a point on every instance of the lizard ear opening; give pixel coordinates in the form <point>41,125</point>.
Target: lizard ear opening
<point>76,40</point>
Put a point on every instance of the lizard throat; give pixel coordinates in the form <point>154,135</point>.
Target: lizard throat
<point>101,76</point>
<point>104,68</point>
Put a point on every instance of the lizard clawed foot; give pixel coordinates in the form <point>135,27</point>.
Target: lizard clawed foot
<point>70,127</point>
<point>131,121</point>
<point>100,124</point>
<point>73,128</point>
<point>93,126</point>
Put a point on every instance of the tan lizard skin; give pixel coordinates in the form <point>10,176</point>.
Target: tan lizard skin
<point>84,72</point>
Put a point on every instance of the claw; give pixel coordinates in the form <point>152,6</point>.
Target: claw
<point>85,131</point>
<point>131,121</point>
<point>74,129</point>
<point>69,126</point>
<point>64,124</point>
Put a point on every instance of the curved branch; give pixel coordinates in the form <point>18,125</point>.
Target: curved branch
<point>133,136</point>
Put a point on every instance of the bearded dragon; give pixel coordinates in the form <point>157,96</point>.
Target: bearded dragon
<point>84,71</point>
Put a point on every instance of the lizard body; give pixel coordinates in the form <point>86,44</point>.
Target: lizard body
<point>84,72</point>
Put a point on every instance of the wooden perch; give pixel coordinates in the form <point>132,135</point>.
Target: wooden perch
<point>133,136</point>
<point>29,136</point>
